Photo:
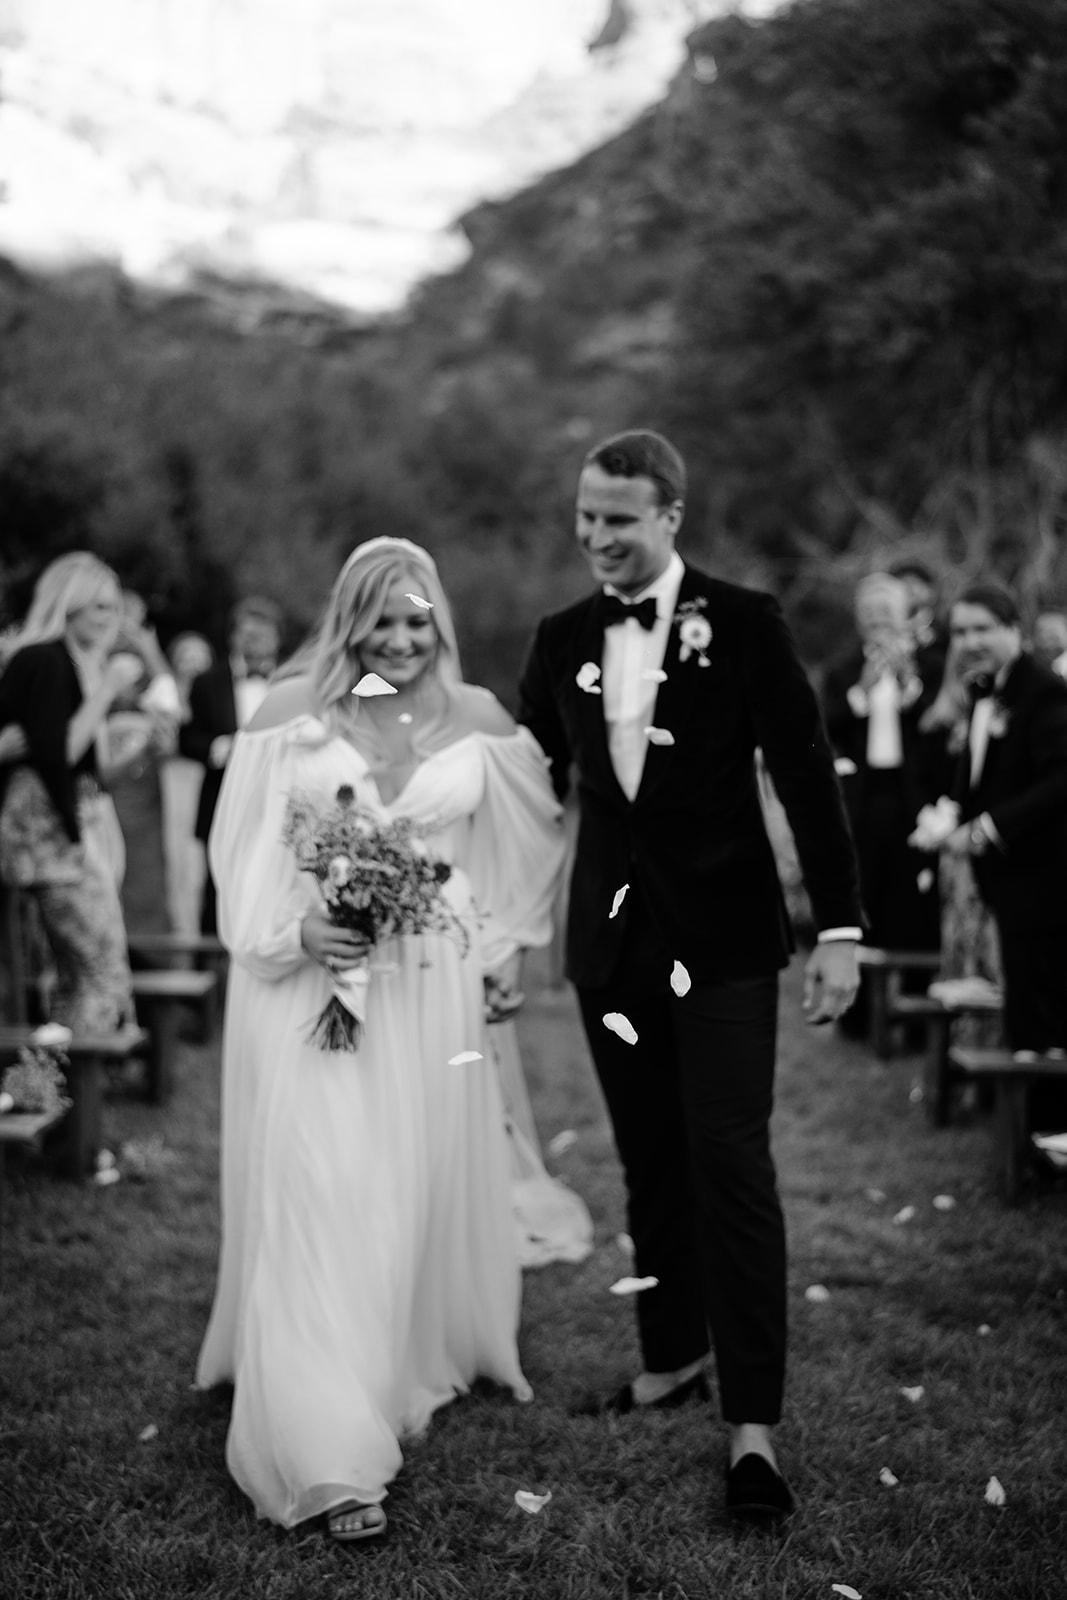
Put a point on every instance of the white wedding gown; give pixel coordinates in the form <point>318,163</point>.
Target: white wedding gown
<point>369,1267</point>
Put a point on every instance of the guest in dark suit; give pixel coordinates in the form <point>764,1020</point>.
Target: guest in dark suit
<point>873,703</point>
<point>658,689</point>
<point>223,700</point>
<point>1011,787</point>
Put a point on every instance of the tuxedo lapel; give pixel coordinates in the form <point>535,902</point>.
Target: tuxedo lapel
<point>588,650</point>
<point>673,700</point>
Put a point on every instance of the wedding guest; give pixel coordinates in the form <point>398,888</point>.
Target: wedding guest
<point>925,625</point>
<point>1011,789</point>
<point>368,1271</point>
<point>1049,640</point>
<point>181,777</point>
<point>658,689</point>
<point>873,703</point>
<point>57,824</point>
<point>222,700</point>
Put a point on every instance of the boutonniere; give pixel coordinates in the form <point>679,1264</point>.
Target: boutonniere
<point>999,719</point>
<point>694,630</point>
<point>586,677</point>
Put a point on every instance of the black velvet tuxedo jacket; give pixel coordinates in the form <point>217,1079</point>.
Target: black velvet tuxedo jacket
<point>213,711</point>
<point>693,838</point>
<point>1023,787</point>
<point>848,732</point>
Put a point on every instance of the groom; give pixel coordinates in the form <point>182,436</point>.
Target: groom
<point>657,690</point>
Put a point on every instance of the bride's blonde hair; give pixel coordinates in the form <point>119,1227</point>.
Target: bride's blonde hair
<point>330,657</point>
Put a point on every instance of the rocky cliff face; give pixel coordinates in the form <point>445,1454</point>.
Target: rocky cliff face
<point>322,145</point>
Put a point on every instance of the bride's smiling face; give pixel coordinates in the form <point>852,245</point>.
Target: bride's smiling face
<point>401,645</point>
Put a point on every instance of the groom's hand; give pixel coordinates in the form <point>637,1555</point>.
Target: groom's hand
<point>831,979</point>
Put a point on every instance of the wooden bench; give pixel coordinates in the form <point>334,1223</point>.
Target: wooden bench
<point>1012,1081</point>
<point>87,1057</point>
<point>159,997</point>
<point>882,972</point>
<point>201,951</point>
<point>939,1013</point>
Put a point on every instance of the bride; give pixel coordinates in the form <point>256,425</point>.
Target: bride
<point>370,1264</point>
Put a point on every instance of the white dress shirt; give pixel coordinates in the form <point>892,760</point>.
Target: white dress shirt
<point>630,668</point>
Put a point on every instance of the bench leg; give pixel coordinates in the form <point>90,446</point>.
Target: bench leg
<point>877,979</point>
<point>937,1089</point>
<point>1011,1135</point>
<point>84,1120</point>
<point>162,1024</point>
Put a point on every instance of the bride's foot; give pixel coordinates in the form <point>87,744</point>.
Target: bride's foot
<point>354,1521</point>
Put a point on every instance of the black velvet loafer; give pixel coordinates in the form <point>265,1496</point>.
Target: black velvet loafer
<point>623,1403</point>
<point>755,1491</point>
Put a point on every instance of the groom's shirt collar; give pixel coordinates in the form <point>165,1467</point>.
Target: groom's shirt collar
<point>664,589</point>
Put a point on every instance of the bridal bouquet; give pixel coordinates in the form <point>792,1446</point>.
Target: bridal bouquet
<point>377,879</point>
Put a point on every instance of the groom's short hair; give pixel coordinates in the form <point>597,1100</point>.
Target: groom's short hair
<point>640,453</point>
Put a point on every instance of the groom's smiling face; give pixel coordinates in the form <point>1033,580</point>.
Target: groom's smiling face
<point>626,535</point>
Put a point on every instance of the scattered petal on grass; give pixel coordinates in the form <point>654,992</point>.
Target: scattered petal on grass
<point>914,1394</point>
<point>654,675</point>
<point>531,1503</point>
<point>847,1590</point>
<point>616,904</point>
<point>889,1479</point>
<point>621,1025</point>
<point>625,1244</point>
<point>464,1057</point>
<point>417,600</point>
<point>659,736</point>
<point>994,1493</point>
<point>915,1094</point>
<point>943,1202</point>
<point>7,1102</point>
<point>878,1196</point>
<point>817,1293</point>
<point>562,1141</point>
<point>632,1285</point>
<point>146,1434</point>
<point>371,684</point>
<point>405,717</point>
<point>905,1214</point>
<point>984,1329</point>
<point>681,982</point>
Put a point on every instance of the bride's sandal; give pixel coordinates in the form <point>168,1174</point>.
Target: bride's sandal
<point>352,1520</point>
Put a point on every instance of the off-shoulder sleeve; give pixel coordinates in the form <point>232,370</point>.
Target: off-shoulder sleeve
<point>262,897</point>
<point>517,847</point>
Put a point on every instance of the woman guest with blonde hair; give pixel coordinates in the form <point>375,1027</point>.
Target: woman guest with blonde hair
<point>59,836</point>
<point>369,1270</point>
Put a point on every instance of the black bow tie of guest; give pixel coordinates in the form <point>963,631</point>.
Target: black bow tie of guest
<point>981,688</point>
<point>614,610</point>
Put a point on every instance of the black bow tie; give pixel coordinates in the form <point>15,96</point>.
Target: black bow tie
<point>613,610</point>
<point>981,688</point>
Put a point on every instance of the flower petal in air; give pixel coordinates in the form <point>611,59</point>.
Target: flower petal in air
<point>625,1244</point>
<point>943,1202</point>
<point>817,1293</point>
<point>147,1434</point>
<point>654,675</point>
<point>562,1142</point>
<point>417,600</point>
<point>876,1196</point>
<point>371,684</point>
<point>405,717</point>
<point>586,677</point>
<point>616,904</point>
<point>681,982</point>
<point>531,1503</point>
<point>51,1036</point>
<point>847,1590</point>
<point>984,1330</point>
<point>632,1285</point>
<point>662,736</point>
<point>888,1479</point>
<point>621,1025</point>
<point>464,1057</point>
<point>905,1214</point>
<point>994,1493</point>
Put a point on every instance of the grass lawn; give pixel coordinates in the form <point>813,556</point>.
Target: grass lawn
<point>106,1292</point>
